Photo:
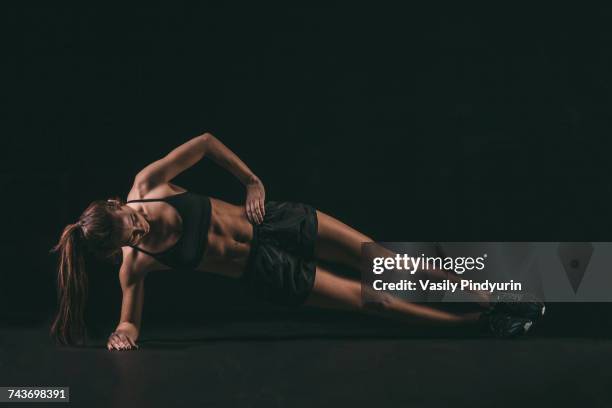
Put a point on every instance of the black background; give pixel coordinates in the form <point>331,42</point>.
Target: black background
<point>425,123</point>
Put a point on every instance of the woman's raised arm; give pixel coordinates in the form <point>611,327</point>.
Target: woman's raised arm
<point>168,167</point>
<point>192,151</point>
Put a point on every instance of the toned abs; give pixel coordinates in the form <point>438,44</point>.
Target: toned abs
<point>229,240</point>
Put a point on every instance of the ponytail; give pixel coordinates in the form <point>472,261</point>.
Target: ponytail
<point>94,233</point>
<point>68,327</point>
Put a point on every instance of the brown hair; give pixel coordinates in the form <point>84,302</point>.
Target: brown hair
<point>94,232</point>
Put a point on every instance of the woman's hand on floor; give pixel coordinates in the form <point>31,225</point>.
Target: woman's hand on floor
<point>255,199</point>
<point>119,340</point>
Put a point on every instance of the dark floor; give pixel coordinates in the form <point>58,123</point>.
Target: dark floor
<point>319,372</point>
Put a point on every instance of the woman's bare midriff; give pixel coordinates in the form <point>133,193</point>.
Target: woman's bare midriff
<point>229,240</point>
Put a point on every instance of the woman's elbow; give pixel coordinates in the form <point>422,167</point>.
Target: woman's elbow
<point>206,136</point>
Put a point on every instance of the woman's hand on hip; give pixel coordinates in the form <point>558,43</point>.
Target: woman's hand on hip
<point>120,340</point>
<point>255,199</point>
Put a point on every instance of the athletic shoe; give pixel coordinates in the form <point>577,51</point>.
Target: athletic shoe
<point>504,325</point>
<point>518,304</point>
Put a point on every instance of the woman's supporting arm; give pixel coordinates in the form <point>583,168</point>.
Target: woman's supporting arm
<point>127,331</point>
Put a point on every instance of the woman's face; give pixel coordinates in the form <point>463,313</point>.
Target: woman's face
<point>132,225</point>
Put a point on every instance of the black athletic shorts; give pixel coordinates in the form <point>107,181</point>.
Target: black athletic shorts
<point>281,266</point>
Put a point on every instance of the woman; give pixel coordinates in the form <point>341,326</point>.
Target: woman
<point>272,246</point>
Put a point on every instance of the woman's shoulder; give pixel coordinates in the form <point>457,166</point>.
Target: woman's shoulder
<point>131,266</point>
<point>142,192</point>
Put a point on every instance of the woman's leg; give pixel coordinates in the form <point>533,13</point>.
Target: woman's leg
<point>338,242</point>
<point>333,291</point>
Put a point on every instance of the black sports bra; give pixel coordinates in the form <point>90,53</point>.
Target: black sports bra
<point>188,251</point>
